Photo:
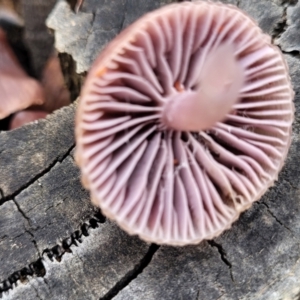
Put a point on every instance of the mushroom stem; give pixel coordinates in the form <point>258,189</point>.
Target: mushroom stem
<point>220,81</point>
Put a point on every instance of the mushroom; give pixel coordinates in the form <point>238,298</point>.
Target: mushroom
<point>78,5</point>
<point>26,116</point>
<point>8,15</point>
<point>184,121</point>
<point>18,91</point>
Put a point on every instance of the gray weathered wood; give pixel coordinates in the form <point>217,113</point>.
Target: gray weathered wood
<point>89,270</point>
<point>52,215</point>
<point>29,151</point>
<point>85,34</point>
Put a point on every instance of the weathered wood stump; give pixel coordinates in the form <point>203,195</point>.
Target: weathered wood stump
<point>55,245</point>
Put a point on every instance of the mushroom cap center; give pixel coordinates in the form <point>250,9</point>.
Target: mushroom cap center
<point>220,81</point>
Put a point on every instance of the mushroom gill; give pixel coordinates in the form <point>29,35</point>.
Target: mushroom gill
<point>184,120</point>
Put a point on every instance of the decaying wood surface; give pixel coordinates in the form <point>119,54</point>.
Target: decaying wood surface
<point>55,245</point>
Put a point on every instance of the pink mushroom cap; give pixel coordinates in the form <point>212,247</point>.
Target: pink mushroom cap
<point>184,121</point>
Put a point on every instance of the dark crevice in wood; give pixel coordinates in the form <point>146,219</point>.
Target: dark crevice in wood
<point>289,2</point>
<point>75,239</point>
<point>72,4</point>
<point>72,79</point>
<point>281,26</point>
<point>4,123</point>
<point>37,268</point>
<point>34,269</point>
<point>297,297</point>
<point>36,177</point>
<point>131,275</point>
<point>275,217</point>
<point>28,222</point>
<point>293,53</point>
<point>223,255</point>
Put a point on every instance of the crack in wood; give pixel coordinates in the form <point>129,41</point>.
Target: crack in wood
<point>274,216</point>
<point>132,274</point>
<point>72,4</point>
<point>223,255</point>
<point>37,293</point>
<point>289,2</point>
<point>34,269</point>
<point>293,53</point>
<point>37,268</point>
<point>57,204</point>
<point>282,25</point>
<point>6,198</point>
<point>26,229</point>
<point>58,251</point>
<point>72,79</point>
